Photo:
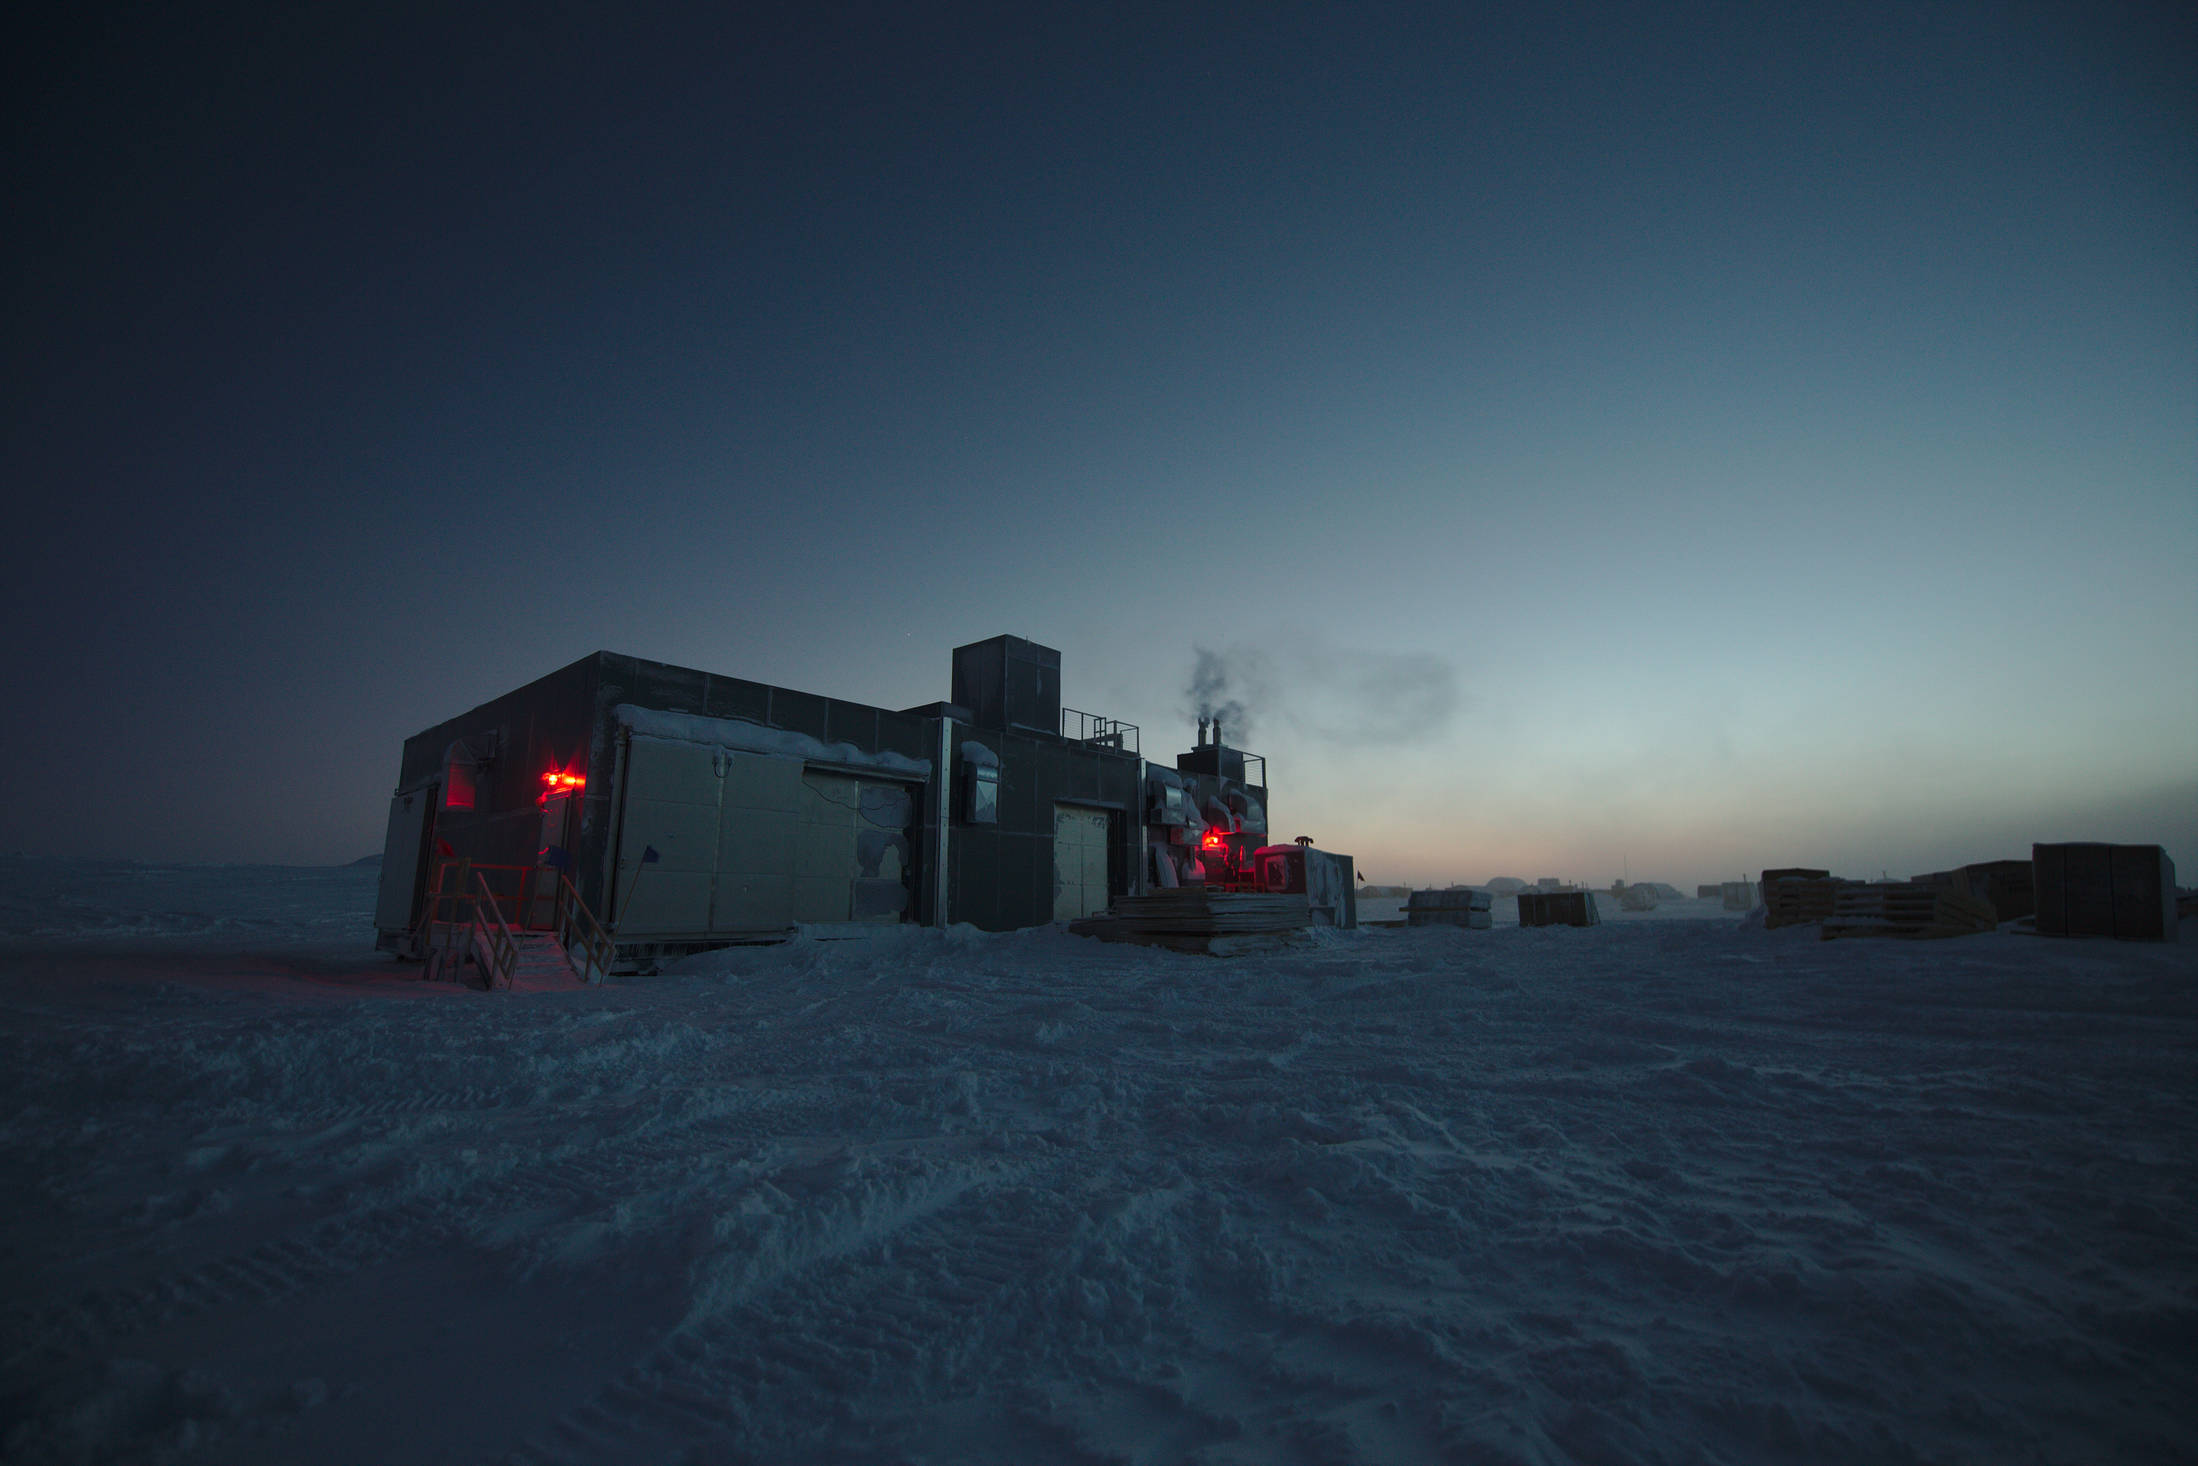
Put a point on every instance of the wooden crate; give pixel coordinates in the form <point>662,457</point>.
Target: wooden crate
<point>2093,890</point>
<point>1558,908</point>
<point>1468,907</point>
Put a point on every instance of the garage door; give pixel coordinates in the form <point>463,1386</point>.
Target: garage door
<point>670,810</point>
<point>718,842</point>
<point>1079,861</point>
<point>755,844</point>
<point>851,849</point>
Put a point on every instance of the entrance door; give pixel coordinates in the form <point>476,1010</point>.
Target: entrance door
<point>552,861</point>
<point>1079,861</point>
<point>404,860</point>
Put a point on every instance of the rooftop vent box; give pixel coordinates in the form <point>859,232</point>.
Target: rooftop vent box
<point>1214,760</point>
<point>981,793</point>
<point>1008,682</point>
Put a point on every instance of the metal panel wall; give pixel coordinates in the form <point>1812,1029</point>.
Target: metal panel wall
<point>1003,875</point>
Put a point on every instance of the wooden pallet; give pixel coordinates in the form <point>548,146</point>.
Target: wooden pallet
<point>1191,920</point>
<point>2009,885</point>
<point>1907,909</point>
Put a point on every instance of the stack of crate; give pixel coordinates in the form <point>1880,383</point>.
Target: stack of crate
<point>1465,906</point>
<point>1558,908</point>
<point>1907,909</point>
<point>2121,891</point>
<point>2008,886</point>
<point>1797,895</point>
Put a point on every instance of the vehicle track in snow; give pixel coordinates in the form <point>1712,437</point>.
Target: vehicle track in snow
<point>917,1297</point>
<point>456,1207</point>
<point>1424,1197</point>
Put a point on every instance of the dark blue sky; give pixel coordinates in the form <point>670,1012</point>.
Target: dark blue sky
<point>1680,439</point>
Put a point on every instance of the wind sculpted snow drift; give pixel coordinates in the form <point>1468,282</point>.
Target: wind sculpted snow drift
<point>1659,1190</point>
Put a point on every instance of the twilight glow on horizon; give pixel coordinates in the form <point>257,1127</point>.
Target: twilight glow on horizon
<point>1593,440</point>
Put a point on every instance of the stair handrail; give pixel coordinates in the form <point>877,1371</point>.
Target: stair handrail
<point>431,899</point>
<point>577,924</point>
<point>438,937</point>
<point>503,947</point>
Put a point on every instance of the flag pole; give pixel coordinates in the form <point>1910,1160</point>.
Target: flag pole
<point>649,857</point>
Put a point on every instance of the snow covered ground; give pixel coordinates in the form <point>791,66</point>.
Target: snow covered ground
<point>1667,1189</point>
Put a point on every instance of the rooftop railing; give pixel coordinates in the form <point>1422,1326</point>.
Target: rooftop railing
<point>1082,727</point>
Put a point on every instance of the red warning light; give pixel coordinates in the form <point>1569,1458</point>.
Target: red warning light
<point>556,782</point>
<point>1212,840</point>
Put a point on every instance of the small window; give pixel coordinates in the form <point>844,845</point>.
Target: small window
<point>458,779</point>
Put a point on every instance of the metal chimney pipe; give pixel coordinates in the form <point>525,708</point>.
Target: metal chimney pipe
<point>1217,732</point>
<point>1201,743</point>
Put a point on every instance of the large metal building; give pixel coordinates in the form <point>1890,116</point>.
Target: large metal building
<point>682,809</point>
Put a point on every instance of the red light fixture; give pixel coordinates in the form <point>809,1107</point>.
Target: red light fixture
<point>557,782</point>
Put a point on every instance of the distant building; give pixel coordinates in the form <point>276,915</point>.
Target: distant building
<point>683,810</point>
<point>688,809</point>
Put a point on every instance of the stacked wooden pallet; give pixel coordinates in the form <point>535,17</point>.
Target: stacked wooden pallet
<point>1907,909</point>
<point>2009,885</point>
<point>1797,896</point>
<point>1194,920</point>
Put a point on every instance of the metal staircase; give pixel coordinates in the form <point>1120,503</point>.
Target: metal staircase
<point>464,922</point>
<point>539,963</point>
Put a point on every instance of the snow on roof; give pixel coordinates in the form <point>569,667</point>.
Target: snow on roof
<point>746,737</point>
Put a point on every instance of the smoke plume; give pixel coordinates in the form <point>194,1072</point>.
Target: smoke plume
<point>1225,683</point>
<point>1313,689</point>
